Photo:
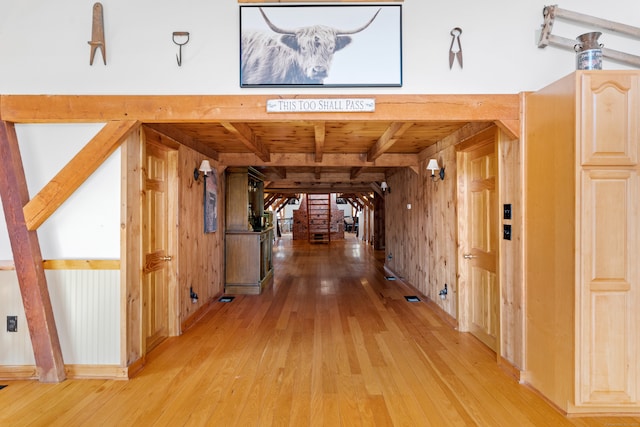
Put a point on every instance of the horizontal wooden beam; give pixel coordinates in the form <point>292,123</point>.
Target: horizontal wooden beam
<point>319,188</point>
<point>328,177</point>
<point>328,160</point>
<point>219,108</point>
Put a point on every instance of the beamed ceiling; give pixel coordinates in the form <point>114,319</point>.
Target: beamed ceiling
<point>296,152</point>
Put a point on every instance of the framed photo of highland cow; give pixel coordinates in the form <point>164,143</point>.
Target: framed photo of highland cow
<point>321,46</point>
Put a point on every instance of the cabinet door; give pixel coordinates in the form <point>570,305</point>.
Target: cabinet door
<point>609,123</point>
<point>607,299</point>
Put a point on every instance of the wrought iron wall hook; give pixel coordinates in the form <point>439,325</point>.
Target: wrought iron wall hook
<point>180,35</point>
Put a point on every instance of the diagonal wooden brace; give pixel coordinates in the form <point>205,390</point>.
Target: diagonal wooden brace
<point>28,261</point>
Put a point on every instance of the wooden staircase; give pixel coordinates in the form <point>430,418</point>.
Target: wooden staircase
<point>319,217</point>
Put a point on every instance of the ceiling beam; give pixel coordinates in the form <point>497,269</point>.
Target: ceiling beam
<point>27,257</point>
<point>177,135</point>
<point>314,188</point>
<point>250,140</point>
<point>327,177</point>
<point>388,138</point>
<point>282,202</point>
<point>456,138</point>
<point>280,172</point>
<point>330,159</point>
<point>74,173</point>
<point>355,172</point>
<point>320,133</point>
<point>237,108</point>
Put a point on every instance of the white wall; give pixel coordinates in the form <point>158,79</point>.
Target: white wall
<point>43,46</point>
<point>87,225</point>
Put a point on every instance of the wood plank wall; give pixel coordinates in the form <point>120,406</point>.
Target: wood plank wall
<point>422,242</point>
<point>200,256</point>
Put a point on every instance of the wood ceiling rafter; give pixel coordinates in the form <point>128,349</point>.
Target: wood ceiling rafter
<point>282,203</point>
<point>388,138</point>
<point>270,198</point>
<point>177,135</point>
<point>316,188</point>
<point>320,134</point>
<point>281,172</point>
<point>329,159</point>
<point>246,135</point>
<point>355,172</point>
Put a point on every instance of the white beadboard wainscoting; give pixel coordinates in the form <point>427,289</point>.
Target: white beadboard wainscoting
<point>86,306</point>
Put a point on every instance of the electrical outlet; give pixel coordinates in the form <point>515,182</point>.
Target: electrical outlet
<point>506,231</point>
<point>12,323</point>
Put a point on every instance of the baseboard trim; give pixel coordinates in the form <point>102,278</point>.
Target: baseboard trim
<point>21,372</point>
<point>96,372</point>
<point>198,314</point>
<point>508,368</point>
<point>137,366</point>
<point>30,372</point>
<point>446,317</point>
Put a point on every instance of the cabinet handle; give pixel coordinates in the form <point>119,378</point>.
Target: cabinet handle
<point>165,258</point>
<point>468,256</point>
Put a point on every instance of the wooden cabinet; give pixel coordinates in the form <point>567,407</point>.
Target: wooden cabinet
<point>581,241</point>
<point>249,265</point>
<point>248,245</point>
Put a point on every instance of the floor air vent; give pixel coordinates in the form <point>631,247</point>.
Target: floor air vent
<point>226,299</point>
<point>412,298</point>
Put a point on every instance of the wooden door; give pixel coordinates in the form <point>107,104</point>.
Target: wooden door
<point>479,244</point>
<point>156,245</point>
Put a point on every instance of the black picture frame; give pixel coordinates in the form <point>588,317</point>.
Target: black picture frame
<point>369,57</point>
<point>211,202</point>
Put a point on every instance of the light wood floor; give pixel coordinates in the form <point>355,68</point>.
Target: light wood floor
<point>330,343</point>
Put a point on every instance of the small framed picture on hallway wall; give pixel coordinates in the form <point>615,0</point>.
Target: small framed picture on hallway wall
<point>211,202</point>
<point>326,46</point>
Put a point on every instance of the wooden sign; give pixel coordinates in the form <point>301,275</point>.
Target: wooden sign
<point>329,105</point>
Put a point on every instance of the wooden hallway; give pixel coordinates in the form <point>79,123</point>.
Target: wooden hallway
<point>330,343</point>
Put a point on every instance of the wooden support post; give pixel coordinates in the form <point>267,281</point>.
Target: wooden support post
<point>28,260</point>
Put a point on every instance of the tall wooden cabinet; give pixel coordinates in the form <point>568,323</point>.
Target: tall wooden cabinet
<point>248,238</point>
<point>581,241</point>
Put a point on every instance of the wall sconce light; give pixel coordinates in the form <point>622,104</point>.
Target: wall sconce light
<point>433,167</point>
<point>205,168</point>
<point>385,187</point>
